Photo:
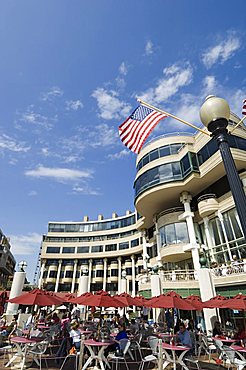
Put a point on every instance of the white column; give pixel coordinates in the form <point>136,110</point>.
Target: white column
<point>207,291</point>
<point>145,254</point>
<point>185,198</point>
<point>58,276</point>
<point>155,291</point>
<point>16,290</point>
<point>221,218</point>
<point>104,273</point>
<point>89,276</point>
<point>83,288</point>
<point>119,275</point>
<point>74,275</point>
<point>208,236</point>
<point>40,280</point>
<point>123,285</point>
<point>158,243</point>
<point>133,276</point>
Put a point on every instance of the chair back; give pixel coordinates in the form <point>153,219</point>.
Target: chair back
<point>153,343</point>
<point>40,348</point>
<point>228,353</point>
<point>124,345</point>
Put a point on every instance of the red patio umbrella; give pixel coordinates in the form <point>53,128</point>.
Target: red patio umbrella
<point>170,300</point>
<point>235,303</point>
<point>80,299</point>
<point>128,300</point>
<point>214,302</point>
<point>37,297</point>
<point>196,301</point>
<point>102,299</point>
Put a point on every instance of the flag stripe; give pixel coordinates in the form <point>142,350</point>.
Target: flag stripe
<point>141,126</point>
<point>136,128</point>
<point>244,108</point>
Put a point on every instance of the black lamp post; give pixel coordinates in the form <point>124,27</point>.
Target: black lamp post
<point>214,114</point>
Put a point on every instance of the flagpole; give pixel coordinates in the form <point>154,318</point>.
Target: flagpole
<point>171,115</point>
<point>239,123</point>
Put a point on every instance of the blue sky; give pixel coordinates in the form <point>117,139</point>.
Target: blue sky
<point>70,72</point>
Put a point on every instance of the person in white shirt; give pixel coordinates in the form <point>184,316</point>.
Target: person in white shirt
<point>75,334</point>
<point>75,313</point>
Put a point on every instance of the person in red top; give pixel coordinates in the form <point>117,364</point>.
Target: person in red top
<point>55,319</point>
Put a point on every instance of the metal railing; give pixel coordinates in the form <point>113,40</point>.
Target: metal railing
<point>234,268</point>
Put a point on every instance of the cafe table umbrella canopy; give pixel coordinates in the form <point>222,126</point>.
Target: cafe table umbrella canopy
<point>80,299</point>
<point>238,302</point>
<point>170,300</point>
<point>215,302</point>
<point>37,297</point>
<point>128,300</point>
<point>196,301</point>
<point>102,299</point>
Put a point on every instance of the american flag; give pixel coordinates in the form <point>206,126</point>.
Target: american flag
<point>137,127</point>
<point>244,108</point>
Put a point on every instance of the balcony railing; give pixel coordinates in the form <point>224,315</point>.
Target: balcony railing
<point>234,268</point>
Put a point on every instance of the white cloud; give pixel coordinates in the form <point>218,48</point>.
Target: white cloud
<point>74,105</point>
<point>175,77</point>
<point>85,190</point>
<point>221,52</point>
<point>32,193</point>
<point>103,136</point>
<point>123,70</point>
<point>25,244</point>
<point>59,174</point>
<point>149,48</point>
<point>8,143</point>
<point>54,92</point>
<point>36,119</point>
<point>123,153</point>
<point>209,86</point>
<point>110,106</point>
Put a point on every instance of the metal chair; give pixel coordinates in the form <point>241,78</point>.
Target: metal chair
<point>124,345</point>
<point>207,346</point>
<point>37,351</point>
<point>153,357</point>
<point>229,356</point>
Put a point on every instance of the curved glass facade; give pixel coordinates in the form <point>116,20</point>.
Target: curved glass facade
<point>167,172</point>
<point>174,233</point>
<point>163,151</point>
<point>93,226</point>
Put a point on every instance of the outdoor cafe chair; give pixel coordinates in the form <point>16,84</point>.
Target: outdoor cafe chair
<point>124,345</point>
<point>153,357</point>
<point>229,356</point>
<point>207,347</point>
<point>37,351</point>
<point>192,363</point>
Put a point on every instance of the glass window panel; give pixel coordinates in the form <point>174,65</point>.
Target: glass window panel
<point>124,245</point>
<point>170,234</point>
<point>69,274</point>
<point>175,148</point>
<point>114,272</point>
<point>83,249</point>
<point>96,248</point>
<point>134,243</point>
<point>53,250</point>
<point>181,232</point>
<point>164,151</point>
<point>235,225</point>
<point>185,164</point>
<point>165,172</point>
<point>53,274</point>
<point>110,247</point>
<point>68,250</point>
<point>176,170</point>
<point>145,159</point>
<point>154,155</point>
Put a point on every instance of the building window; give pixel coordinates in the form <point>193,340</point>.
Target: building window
<point>69,274</point>
<point>114,272</point>
<point>174,233</point>
<point>68,250</point>
<point>83,249</point>
<point>53,250</point>
<point>124,245</point>
<point>110,247</point>
<point>96,248</point>
<point>134,243</point>
<point>53,274</point>
<point>99,273</point>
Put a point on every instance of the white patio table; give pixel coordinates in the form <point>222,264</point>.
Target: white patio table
<point>177,358</point>
<point>96,350</point>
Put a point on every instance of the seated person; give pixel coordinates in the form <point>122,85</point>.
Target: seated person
<point>184,337</point>
<point>121,335</point>
<point>134,326</point>
<point>75,335</point>
<point>11,327</point>
<point>217,329</point>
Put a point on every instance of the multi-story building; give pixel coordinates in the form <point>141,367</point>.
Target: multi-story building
<point>184,210</point>
<point>7,261</point>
